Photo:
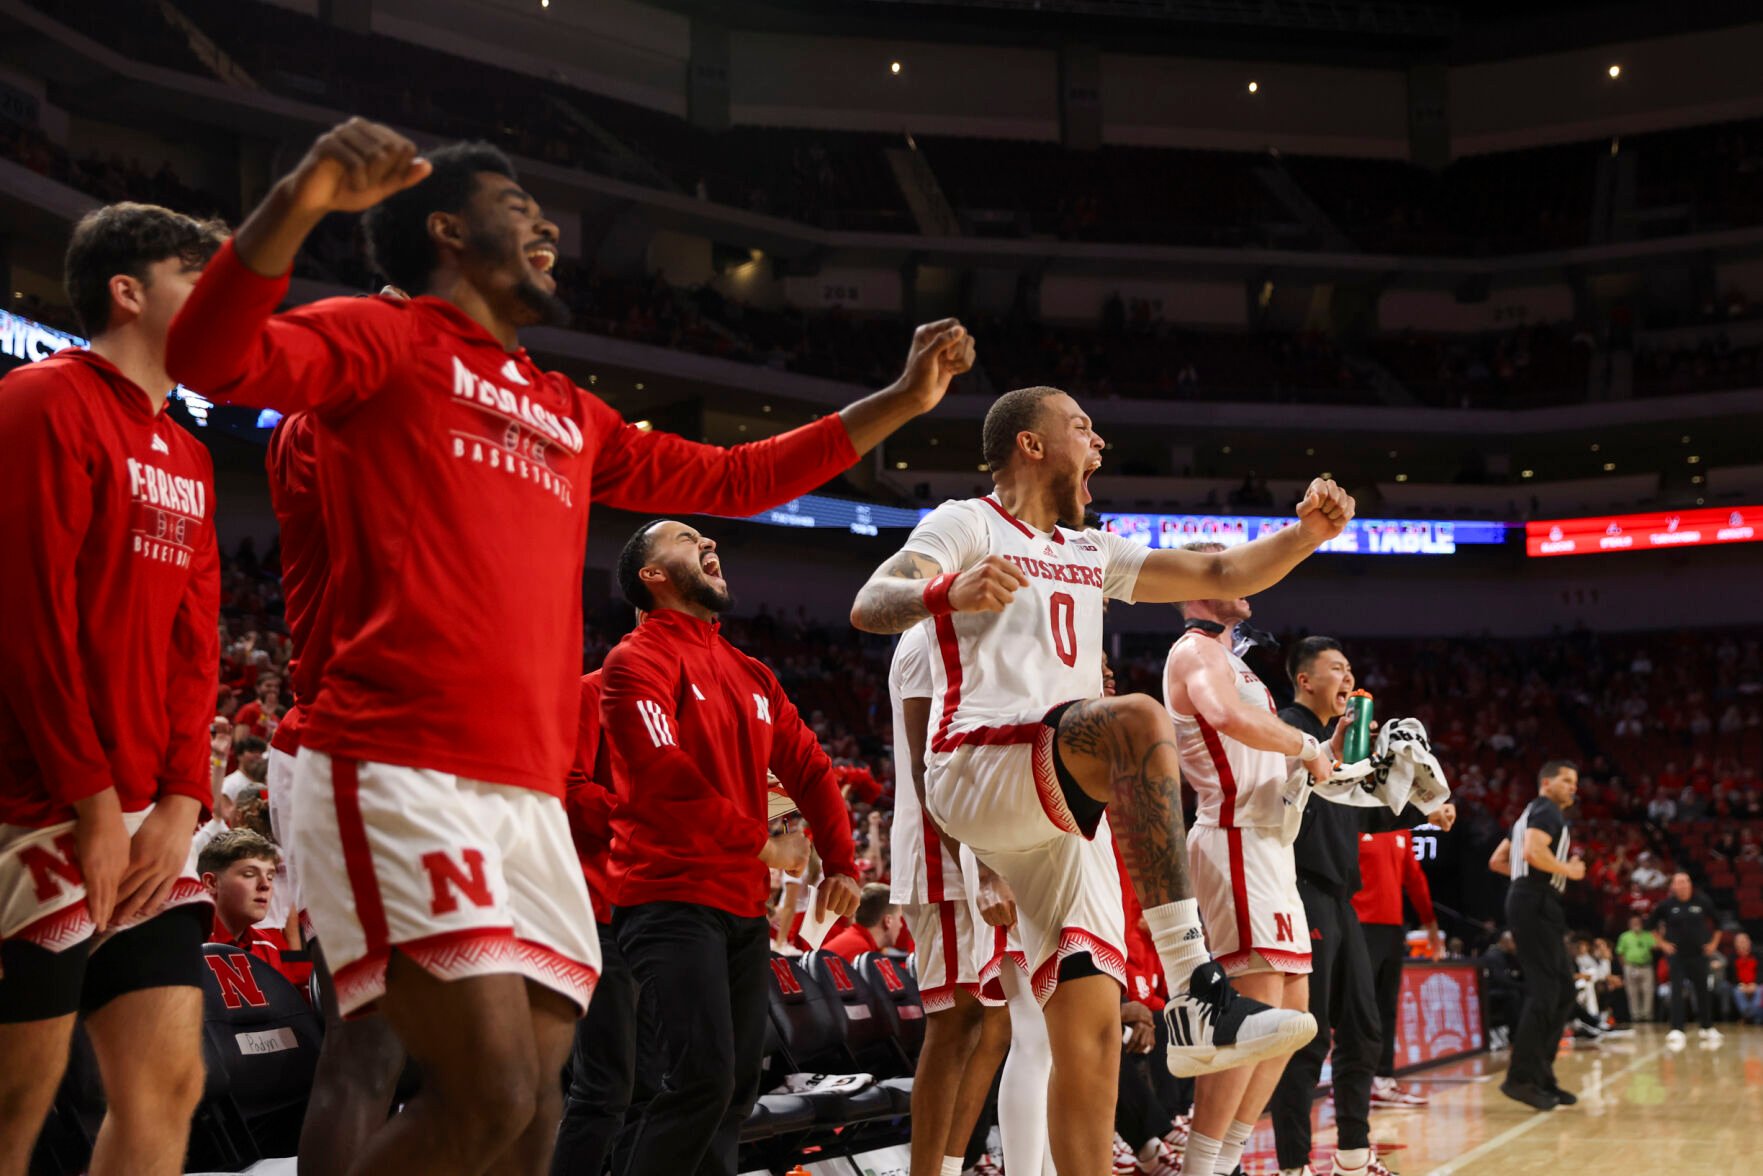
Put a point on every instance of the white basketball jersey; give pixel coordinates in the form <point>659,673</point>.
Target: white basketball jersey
<point>916,876</point>
<point>997,671</point>
<point>1238,786</point>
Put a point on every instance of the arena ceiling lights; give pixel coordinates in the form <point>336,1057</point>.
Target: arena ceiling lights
<point>1369,17</point>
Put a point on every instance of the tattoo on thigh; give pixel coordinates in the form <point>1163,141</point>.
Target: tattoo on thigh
<point>1144,790</point>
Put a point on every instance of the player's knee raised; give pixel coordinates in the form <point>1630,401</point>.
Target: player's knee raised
<point>1142,715</point>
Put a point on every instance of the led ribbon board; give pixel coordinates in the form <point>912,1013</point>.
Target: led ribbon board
<point>1607,534</point>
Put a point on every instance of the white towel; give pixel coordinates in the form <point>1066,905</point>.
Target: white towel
<point>1400,772</point>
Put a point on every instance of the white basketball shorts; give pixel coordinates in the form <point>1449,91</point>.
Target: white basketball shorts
<point>1003,800</point>
<point>463,877</point>
<point>1247,886</point>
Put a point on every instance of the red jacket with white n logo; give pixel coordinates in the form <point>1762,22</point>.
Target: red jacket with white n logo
<point>694,723</point>
<point>110,604</point>
<point>456,478</point>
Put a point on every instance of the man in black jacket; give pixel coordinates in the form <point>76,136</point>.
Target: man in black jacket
<point>1505,989</point>
<point>1688,934</point>
<point>1342,993</point>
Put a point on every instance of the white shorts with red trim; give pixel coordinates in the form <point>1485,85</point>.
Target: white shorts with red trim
<point>284,900</point>
<point>953,947</point>
<point>43,895</point>
<point>463,877</point>
<point>1003,800</point>
<point>1247,885</point>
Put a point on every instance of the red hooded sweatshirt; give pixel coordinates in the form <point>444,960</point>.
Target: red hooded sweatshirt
<point>110,608</point>
<point>457,477</point>
<point>292,463</point>
<point>694,724</point>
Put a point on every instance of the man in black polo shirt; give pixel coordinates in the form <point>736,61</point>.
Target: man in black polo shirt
<point>1343,996</point>
<point>1686,920</point>
<point>1535,857</point>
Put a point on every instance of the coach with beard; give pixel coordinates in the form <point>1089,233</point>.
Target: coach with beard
<point>694,724</point>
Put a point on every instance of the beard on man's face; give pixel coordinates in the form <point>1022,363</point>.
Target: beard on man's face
<point>499,249</point>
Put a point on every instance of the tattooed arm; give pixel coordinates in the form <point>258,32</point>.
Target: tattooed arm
<point>893,599</point>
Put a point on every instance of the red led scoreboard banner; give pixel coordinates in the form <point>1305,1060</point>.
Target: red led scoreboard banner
<point>1710,527</point>
<point>1439,1013</point>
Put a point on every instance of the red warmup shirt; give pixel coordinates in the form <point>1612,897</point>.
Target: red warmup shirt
<point>852,942</point>
<point>694,724</point>
<point>271,947</point>
<point>292,463</point>
<point>110,604</point>
<point>1387,867</point>
<point>1144,970</point>
<point>588,797</point>
<point>1744,969</point>
<point>458,476</point>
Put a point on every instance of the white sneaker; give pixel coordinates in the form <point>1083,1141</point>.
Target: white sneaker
<point>1179,1130</point>
<point>1373,1167</point>
<point>1675,1039</point>
<point>1167,1162</point>
<point>1713,1035</point>
<point>1387,1092</point>
<point>1213,1027</point>
<point>1126,1162</point>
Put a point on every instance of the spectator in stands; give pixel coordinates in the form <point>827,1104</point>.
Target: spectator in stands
<point>238,870</point>
<point>875,927</point>
<point>251,774</point>
<point>1635,947</point>
<point>689,839</point>
<point>260,716</point>
<point>1747,982</point>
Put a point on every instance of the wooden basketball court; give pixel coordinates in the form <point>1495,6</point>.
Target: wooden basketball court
<point>1641,1107</point>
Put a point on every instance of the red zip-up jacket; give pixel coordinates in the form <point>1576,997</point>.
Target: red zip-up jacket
<point>458,477</point>
<point>292,464</point>
<point>1387,867</point>
<point>588,797</point>
<point>694,724</point>
<point>110,605</point>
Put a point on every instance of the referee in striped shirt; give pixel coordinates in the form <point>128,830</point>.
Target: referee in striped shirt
<point>1535,857</point>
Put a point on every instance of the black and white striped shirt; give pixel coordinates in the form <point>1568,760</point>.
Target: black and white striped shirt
<point>1545,815</point>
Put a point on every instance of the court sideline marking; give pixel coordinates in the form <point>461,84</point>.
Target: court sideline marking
<point>1536,1120</point>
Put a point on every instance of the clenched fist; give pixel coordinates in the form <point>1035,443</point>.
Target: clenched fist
<point>987,586</point>
<point>354,166</point>
<point>940,351</point>
<point>1325,511</point>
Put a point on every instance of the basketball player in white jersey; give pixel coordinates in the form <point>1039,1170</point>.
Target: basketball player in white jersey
<point>966,1033</point>
<point>1026,756</point>
<point>1236,754</point>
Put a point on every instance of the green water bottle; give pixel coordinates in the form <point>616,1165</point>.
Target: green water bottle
<point>1357,745</point>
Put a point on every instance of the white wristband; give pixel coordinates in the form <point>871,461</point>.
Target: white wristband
<point>1310,750</point>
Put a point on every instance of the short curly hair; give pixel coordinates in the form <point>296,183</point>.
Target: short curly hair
<point>126,238</point>
<point>397,229</point>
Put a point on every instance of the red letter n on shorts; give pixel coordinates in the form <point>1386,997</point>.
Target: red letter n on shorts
<point>448,881</point>
<point>46,866</point>
<point>1282,928</point>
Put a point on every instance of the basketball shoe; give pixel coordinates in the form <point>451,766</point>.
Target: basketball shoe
<point>1387,1092</point>
<point>1213,1027</point>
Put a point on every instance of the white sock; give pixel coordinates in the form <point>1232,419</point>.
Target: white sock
<point>1230,1151</point>
<point>952,1165</point>
<point>1352,1157</point>
<point>1202,1154</point>
<point>1022,1090</point>
<point>1181,945</point>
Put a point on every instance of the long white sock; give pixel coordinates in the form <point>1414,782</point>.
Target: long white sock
<point>952,1165</point>
<point>1181,945</point>
<point>1352,1158</point>
<point>1022,1090</point>
<point>1230,1151</point>
<point>1202,1154</point>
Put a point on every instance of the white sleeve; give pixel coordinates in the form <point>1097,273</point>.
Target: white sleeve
<point>910,675</point>
<point>953,535</point>
<point>1121,561</point>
